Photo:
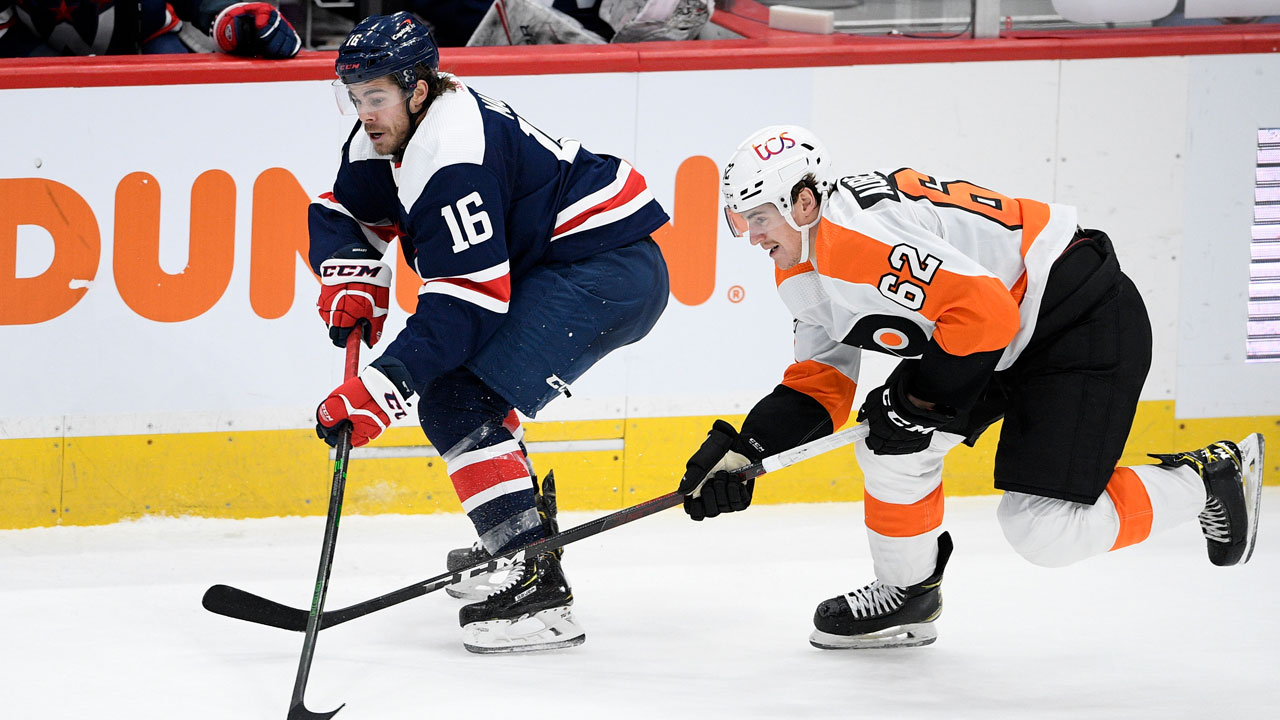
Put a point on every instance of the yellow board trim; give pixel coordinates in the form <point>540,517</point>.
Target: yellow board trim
<point>97,480</point>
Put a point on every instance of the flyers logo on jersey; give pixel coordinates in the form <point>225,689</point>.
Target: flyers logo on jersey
<point>773,146</point>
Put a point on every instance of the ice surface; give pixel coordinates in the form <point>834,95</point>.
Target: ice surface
<point>684,620</point>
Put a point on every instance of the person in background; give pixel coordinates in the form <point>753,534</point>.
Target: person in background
<point>107,27</point>
<point>453,21</point>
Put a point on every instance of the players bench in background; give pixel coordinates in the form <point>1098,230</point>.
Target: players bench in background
<point>41,28</point>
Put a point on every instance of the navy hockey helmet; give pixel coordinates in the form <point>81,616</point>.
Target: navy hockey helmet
<point>382,45</point>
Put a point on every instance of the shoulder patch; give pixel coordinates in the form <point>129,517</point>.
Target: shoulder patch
<point>870,188</point>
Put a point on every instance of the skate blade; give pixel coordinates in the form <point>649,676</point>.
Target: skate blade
<point>549,629</point>
<point>477,588</point>
<point>914,635</point>
<point>1252,456</point>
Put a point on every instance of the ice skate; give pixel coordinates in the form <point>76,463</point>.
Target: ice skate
<point>482,586</point>
<point>883,616</point>
<point>1232,476</point>
<point>532,610</point>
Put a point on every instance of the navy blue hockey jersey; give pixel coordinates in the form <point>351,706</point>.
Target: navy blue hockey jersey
<point>480,197</point>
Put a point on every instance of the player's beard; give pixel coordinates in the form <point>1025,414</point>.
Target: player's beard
<point>389,137</point>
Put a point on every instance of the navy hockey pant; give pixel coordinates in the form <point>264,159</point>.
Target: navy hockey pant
<point>562,319</point>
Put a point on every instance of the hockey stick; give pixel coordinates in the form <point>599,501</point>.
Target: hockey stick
<point>242,605</point>
<point>311,621</point>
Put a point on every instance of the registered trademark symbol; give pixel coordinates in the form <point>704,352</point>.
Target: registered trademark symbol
<point>736,294</point>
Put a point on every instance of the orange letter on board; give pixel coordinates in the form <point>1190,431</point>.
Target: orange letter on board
<point>407,281</point>
<point>143,285</point>
<point>279,237</point>
<point>688,242</point>
<point>76,249</point>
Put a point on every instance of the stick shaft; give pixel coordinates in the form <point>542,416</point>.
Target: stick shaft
<point>242,605</point>
<point>336,490</point>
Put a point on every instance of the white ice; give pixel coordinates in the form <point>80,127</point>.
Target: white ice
<point>684,620</point>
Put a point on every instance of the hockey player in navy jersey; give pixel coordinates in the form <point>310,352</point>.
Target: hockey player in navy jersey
<point>1000,307</point>
<point>535,260</point>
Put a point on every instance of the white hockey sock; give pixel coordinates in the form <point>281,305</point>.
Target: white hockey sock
<point>1177,494</point>
<point>1139,501</point>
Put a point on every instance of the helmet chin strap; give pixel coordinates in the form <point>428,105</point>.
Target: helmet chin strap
<point>413,125</point>
<point>804,234</point>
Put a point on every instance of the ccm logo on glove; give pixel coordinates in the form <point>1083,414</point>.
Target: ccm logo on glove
<point>374,271</point>
<point>895,424</point>
<point>355,291</point>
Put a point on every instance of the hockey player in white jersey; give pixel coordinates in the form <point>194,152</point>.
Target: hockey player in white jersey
<point>1000,307</point>
<point>535,260</point>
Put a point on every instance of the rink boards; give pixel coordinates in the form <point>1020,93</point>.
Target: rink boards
<point>165,355</point>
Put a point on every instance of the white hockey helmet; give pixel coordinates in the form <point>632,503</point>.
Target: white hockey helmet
<point>766,166</point>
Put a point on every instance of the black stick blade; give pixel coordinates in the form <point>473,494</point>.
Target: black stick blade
<point>300,712</point>
<point>241,605</point>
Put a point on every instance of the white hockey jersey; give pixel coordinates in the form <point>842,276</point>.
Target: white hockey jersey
<point>901,258</point>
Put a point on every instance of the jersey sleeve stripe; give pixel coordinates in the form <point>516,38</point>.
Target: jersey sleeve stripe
<point>379,235</point>
<point>494,272</point>
<point>598,197</point>
<point>973,314</point>
<point>830,387</point>
<point>633,195</point>
<point>483,295</point>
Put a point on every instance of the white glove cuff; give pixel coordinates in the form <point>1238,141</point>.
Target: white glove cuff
<point>385,393</point>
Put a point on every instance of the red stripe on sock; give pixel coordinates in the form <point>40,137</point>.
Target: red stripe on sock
<point>480,476</point>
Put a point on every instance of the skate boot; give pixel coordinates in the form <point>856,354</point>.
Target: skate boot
<point>532,610</point>
<point>473,588</point>
<point>883,616</point>
<point>483,585</point>
<point>1232,476</point>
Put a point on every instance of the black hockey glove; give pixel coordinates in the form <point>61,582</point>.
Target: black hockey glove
<point>709,485</point>
<point>896,425</point>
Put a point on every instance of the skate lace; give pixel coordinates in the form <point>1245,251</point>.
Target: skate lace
<point>1214,522</point>
<point>514,575</point>
<point>875,599</point>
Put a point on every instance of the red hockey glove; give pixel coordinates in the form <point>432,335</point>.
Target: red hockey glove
<point>368,403</point>
<point>355,289</point>
<point>255,29</point>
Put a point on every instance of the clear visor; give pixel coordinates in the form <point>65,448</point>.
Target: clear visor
<point>758,220</point>
<point>368,98</point>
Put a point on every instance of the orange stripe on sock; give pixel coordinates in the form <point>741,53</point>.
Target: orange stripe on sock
<point>1133,505</point>
<point>893,520</point>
